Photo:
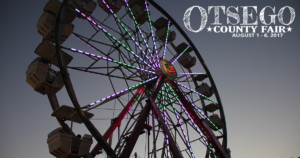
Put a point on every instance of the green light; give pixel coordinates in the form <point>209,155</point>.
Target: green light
<point>185,49</point>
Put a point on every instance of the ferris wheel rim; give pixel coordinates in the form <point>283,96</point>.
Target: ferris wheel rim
<point>69,84</point>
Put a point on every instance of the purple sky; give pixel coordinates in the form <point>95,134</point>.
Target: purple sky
<point>257,79</point>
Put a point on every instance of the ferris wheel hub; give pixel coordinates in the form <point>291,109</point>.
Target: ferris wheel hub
<point>168,69</point>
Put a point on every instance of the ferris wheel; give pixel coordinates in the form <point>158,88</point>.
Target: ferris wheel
<point>138,62</point>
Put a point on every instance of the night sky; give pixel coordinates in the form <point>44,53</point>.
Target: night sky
<point>257,79</point>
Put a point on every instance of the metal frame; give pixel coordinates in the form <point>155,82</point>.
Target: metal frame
<point>150,104</point>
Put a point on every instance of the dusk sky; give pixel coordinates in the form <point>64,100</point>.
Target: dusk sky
<point>257,79</point>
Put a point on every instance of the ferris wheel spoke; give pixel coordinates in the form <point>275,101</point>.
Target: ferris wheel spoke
<point>116,95</point>
<point>104,74</point>
<point>118,120</point>
<point>196,73</point>
<point>203,115</point>
<point>136,43</point>
<point>140,31</point>
<point>201,125</point>
<point>128,126</point>
<point>165,129</point>
<point>198,111</point>
<point>118,41</point>
<point>110,60</point>
<point>152,33</point>
<point>167,134</point>
<point>82,38</point>
<point>186,139</point>
<point>103,24</point>
<point>166,141</point>
<point>166,41</point>
<point>89,40</point>
<point>181,75</point>
<point>141,120</point>
<point>183,139</point>
<point>195,92</point>
<point>178,55</point>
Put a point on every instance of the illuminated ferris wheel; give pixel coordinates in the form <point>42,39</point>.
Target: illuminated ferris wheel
<point>139,63</point>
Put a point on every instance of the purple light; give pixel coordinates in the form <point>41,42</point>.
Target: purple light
<point>196,92</point>
<point>138,47</point>
<point>153,38</point>
<point>143,40</point>
<point>121,91</point>
<point>176,58</point>
<point>120,63</point>
<point>166,41</point>
<point>180,54</point>
<point>197,73</point>
<point>185,111</point>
